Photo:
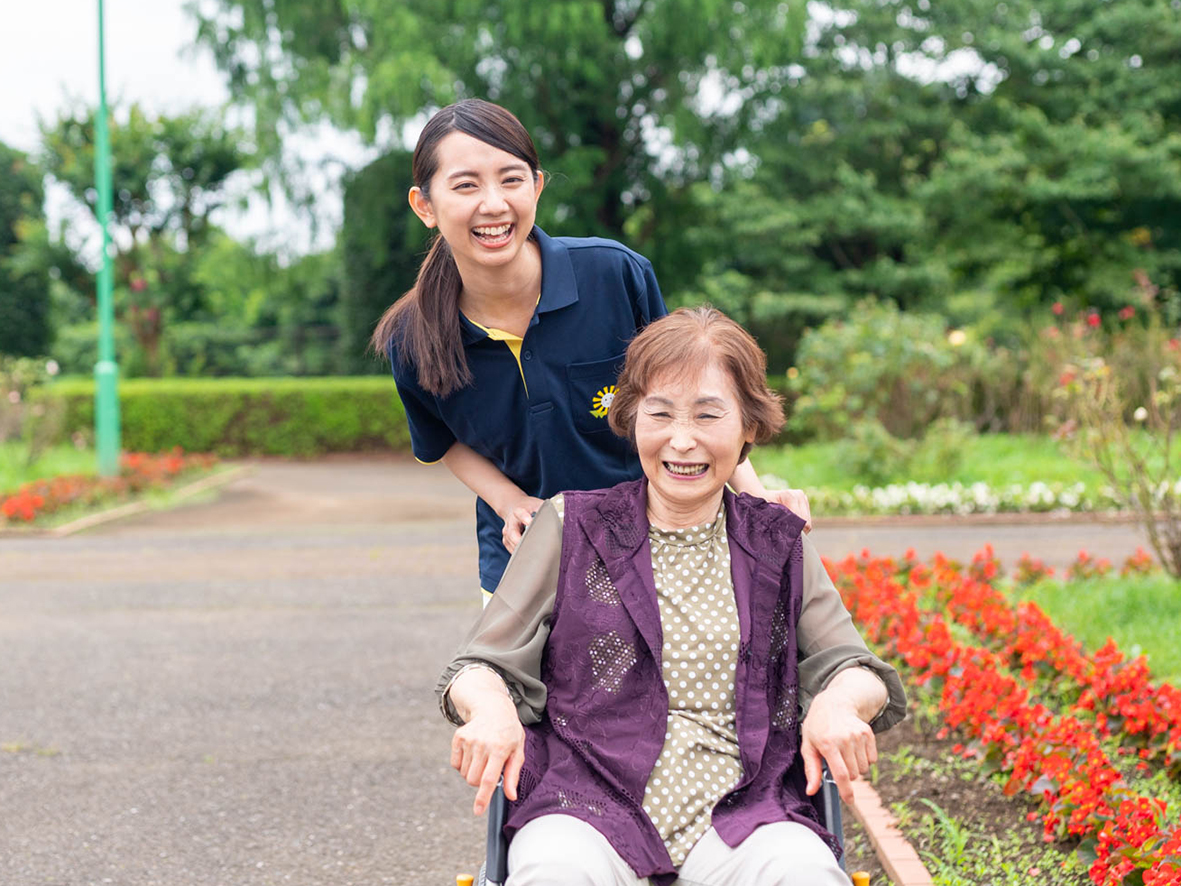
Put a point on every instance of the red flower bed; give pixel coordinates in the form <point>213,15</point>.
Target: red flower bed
<point>1057,757</point>
<point>138,471</point>
<point>1119,693</point>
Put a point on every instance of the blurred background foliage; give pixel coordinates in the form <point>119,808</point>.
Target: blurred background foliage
<point>892,195</point>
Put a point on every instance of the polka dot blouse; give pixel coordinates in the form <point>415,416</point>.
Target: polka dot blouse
<point>699,762</point>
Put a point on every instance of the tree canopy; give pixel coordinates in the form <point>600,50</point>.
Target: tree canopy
<point>24,287</point>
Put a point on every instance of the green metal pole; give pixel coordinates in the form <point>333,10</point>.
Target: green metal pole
<point>106,370</point>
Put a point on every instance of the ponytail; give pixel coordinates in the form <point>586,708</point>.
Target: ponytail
<point>424,325</point>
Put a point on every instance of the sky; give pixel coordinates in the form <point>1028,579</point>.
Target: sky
<point>49,58</point>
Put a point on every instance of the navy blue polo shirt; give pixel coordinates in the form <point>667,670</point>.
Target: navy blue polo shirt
<point>542,418</point>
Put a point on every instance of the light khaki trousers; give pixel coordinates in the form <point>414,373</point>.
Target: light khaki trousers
<point>560,850</point>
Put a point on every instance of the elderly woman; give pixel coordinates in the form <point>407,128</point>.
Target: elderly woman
<point>666,664</point>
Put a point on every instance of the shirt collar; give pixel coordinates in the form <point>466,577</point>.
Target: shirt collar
<point>559,287</point>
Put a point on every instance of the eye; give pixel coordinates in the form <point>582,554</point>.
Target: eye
<point>708,416</point>
<point>513,180</point>
<point>464,186</point>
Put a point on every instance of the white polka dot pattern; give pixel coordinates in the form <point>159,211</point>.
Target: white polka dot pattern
<point>699,762</point>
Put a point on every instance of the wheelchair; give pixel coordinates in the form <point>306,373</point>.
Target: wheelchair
<point>494,871</point>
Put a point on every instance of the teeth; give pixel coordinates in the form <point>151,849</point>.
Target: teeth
<point>493,231</point>
<point>685,470</point>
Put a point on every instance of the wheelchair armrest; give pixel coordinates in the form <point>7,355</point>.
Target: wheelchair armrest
<point>496,853</point>
<point>832,811</point>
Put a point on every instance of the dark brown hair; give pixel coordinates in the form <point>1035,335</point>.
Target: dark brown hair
<point>689,339</point>
<point>424,322</point>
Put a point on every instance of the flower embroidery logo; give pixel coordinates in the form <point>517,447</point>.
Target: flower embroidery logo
<point>602,401</point>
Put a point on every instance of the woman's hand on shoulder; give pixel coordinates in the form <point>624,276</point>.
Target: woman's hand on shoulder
<point>834,732</point>
<point>517,518</point>
<point>492,741</point>
<point>795,500</point>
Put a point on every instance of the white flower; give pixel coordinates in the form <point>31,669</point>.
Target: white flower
<point>14,397</point>
<point>1140,414</point>
<point>52,367</point>
<point>957,337</point>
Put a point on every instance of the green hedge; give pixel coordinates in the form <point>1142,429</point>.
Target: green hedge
<point>248,416</point>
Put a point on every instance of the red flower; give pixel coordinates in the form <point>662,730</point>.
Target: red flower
<point>1057,308</point>
<point>1093,319</point>
<point>1127,313</point>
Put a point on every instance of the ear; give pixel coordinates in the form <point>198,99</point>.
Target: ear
<point>421,206</point>
<point>541,180</point>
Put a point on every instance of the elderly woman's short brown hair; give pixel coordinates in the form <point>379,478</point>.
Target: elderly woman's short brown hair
<point>685,341</point>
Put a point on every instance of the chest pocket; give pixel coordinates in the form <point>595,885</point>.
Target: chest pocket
<point>591,387</point>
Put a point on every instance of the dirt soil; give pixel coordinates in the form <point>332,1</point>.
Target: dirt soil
<point>937,774</point>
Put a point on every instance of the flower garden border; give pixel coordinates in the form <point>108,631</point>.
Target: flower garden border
<point>897,856</point>
<point>130,509</point>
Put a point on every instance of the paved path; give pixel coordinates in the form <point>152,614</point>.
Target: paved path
<point>237,692</point>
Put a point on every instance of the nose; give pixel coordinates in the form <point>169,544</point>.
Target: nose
<point>494,202</point>
<point>683,439</point>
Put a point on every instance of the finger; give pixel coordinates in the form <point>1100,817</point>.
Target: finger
<point>524,517</point>
<point>839,771</point>
<point>872,750</point>
<point>512,773</point>
<point>476,769</point>
<point>457,746</point>
<point>802,510</point>
<point>849,773</point>
<point>812,767</point>
<point>512,534</point>
<point>464,751</point>
<point>862,756</point>
<point>487,784</point>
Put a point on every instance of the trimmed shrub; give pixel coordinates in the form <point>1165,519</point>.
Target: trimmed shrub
<point>239,416</point>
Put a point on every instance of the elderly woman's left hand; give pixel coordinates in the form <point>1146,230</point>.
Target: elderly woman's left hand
<point>837,730</point>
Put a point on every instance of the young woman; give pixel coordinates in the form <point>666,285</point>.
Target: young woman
<point>506,351</point>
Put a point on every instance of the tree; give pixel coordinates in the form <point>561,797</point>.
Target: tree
<point>169,174</point>
<point>24,290</point>
<point>382,244</point>
<point>979,159</point>
<point>629,101</point>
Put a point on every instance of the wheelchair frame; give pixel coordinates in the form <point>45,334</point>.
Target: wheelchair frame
<point>494,871</point>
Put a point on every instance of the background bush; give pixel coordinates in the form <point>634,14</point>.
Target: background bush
<point>235,416</point>
<point>899,370</point>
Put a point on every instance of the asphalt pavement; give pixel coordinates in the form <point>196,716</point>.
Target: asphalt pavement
<point>239,691</point>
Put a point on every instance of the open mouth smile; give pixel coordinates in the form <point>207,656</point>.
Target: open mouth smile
<point>494,235</point>
<point>685,470</point>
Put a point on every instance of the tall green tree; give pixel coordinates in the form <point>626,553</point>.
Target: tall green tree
<point>977,158</point>
<point>629,101</point>
<point>382,243</point>
<point>170,174</point>
<point>25,328</point>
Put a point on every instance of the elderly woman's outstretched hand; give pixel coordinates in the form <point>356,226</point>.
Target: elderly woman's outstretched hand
<point>492,740</point>
<point>837,730</point>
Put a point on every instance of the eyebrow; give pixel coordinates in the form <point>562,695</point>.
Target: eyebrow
<point>471,173</point>
<point>700,401</point>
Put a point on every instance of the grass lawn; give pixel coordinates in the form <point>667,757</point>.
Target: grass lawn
<point>54,462</point>
<point>1141,613</point>
<point>996,459</point>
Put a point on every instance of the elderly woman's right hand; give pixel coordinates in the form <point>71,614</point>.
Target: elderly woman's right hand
<point>491,741</point>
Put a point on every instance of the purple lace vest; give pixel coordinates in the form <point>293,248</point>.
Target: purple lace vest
<point>607,709</point>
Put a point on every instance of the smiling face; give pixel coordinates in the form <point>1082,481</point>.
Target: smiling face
<point>689,435</point>
<point>482,199</point>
